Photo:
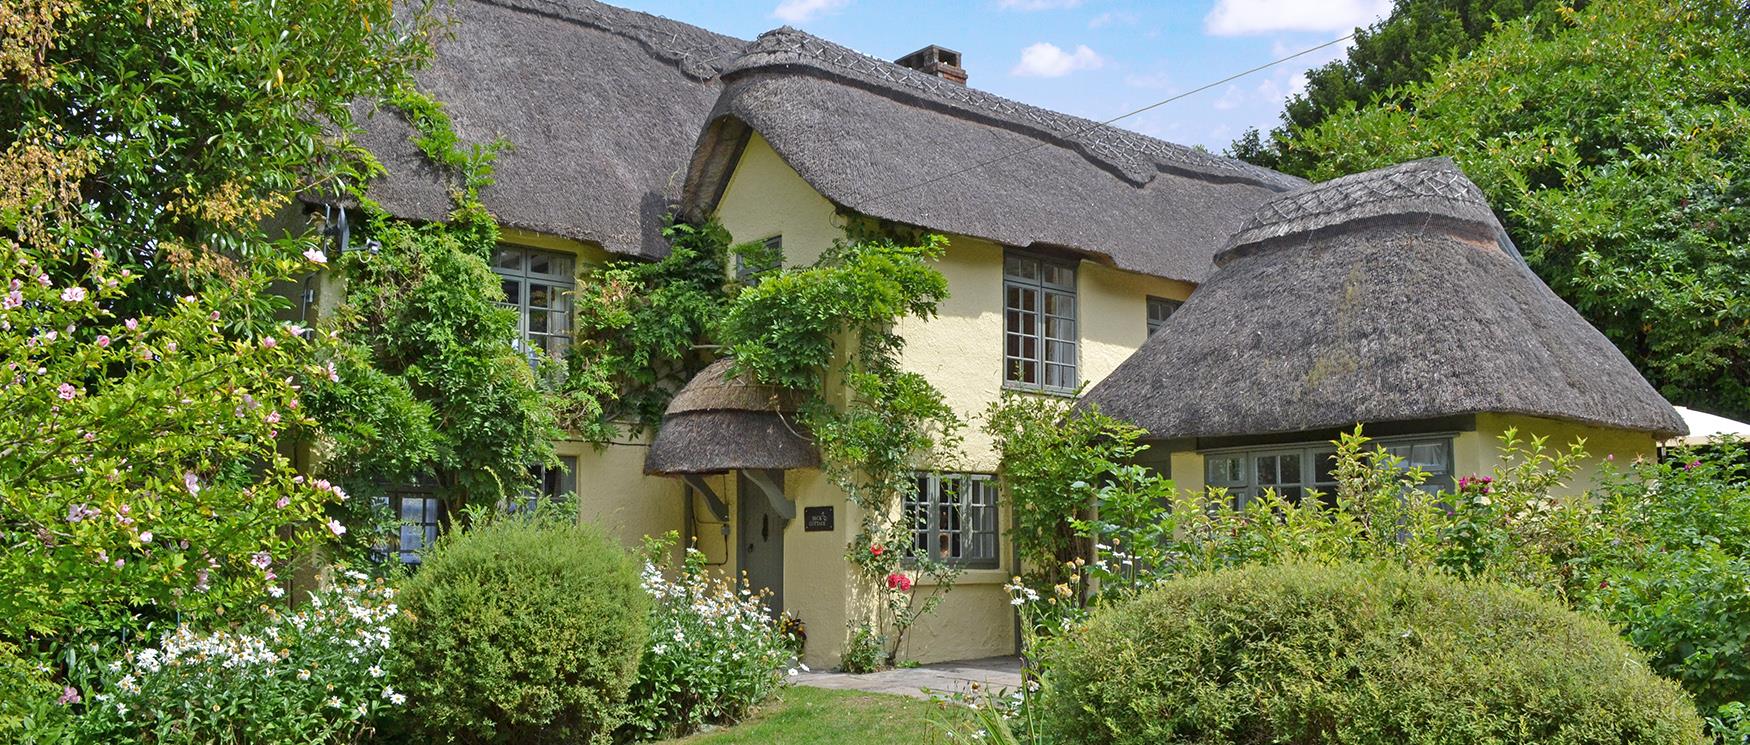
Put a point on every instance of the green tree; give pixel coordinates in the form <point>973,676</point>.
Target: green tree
<point>1418,37</point>
<point>144,148</point>
<point>1615,156</point>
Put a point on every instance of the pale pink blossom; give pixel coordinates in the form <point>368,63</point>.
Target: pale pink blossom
<point>103,340</point>
<point>72,294</point>
<point>316,256</point>
<point>13,300</point>
<point>267,342</point>
<point>192,483</point>
<point>336,528</point>
<point>68,391</point>
<point>133,324</point>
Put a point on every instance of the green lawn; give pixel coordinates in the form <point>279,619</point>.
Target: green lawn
<point>816,716</point>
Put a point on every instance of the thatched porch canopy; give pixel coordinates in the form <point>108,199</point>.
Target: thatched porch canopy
<point>718,423</point>
<point>1391,295</point>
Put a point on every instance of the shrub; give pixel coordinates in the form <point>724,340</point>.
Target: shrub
<point>714,652</point>
<point>311,676</point>
<point>1676,576</point>
<point>1353,654</point>
<point>521,630</point>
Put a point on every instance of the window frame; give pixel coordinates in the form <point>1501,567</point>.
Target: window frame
<point>552,344</point>
<point>551,482</point>
<point>1247,488</point>
<point>745,274</point>
<point>1014,341</point>
<point>1151,324</point>
<point>981,546</point>
<point>395,501</point>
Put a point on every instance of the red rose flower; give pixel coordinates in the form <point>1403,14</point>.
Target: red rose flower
<point>877,550</point>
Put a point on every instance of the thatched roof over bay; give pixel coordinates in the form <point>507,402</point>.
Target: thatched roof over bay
<point>719,423</point>
<point>1390,295</point>
<point>601,105</point>
<point>875,137</point>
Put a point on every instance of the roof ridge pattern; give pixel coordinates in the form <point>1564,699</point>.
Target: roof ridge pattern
<point>1120,146</point>
<point>1437,178</point>
<point>702,61</point>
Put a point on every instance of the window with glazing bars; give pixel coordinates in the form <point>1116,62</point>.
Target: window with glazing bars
<point>538,285</point>
<point>551,482</point>
<point>419,517</point>
<point>954,518</point>
<point>1293,470</point>
<point>1039,323</point>
<point>1159,309</point>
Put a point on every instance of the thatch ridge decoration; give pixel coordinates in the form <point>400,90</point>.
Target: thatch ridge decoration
<point>1388,299</point>
<point>786,47</point>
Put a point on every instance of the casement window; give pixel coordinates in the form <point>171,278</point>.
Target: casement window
<point>538,285</point>
<point>1158,311</point>
<point>551,482</point>
<point>420,516</point>
<point>1294,470</point>
<point>745,270</point>
<point>954,518</point>
<point>1039,323</point>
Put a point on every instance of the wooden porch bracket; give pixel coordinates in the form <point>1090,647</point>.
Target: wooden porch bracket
<point>718,508</point>
<point>774,491</point>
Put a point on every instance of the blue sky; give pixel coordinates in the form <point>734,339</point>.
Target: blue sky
<point>1091,58</point>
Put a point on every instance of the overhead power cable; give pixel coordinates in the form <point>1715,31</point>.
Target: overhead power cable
<point>1120,117</point>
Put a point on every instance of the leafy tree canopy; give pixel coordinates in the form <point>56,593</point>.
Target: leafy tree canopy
<point>1418,37</point>
<point>1615,155</point>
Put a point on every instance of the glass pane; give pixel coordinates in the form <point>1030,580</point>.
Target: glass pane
<point>508,258</point>
<point>1059,275</point>
<point>1021,267</point>
<point>1325,467</point>
<point>1288,468</point>
<point>1058,328</point>
<point>1059,304</point>
<point>559,322</point>
<point>1266,470</point>
<point>1029,372</point>
<point>513,291</point>
<point>537,322</point>
<point>1290,493</point>
<point>1429,456</point>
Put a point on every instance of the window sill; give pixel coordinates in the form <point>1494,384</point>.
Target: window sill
<point>1053,392</point>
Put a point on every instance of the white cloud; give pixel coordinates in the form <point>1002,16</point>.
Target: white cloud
<point>799,11</point>
<point>1046,60</point>
<point>1230,99</point>
<point>1028,6</point>
<point>1111,17</point>
<point>1239,17</point>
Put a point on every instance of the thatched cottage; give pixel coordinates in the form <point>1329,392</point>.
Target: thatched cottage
<point>1390,298</point>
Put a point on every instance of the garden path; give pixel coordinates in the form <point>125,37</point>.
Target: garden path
<point>988,674</point>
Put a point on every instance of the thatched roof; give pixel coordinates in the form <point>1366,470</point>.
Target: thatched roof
<point>602,106</point>
<point>867,133</point>
<point>1390,295</point>
<point>718,423</point>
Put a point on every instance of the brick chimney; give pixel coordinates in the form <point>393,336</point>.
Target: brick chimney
<point>937,61</point>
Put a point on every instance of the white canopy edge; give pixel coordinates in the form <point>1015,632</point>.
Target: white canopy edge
<point>1703,427</point>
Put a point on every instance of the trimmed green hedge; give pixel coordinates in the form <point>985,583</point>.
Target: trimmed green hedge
<point>1352,654</point>
<point>521,632</point>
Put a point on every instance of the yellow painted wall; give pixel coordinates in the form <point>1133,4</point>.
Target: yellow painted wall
<point>1479,452</point>
<point>960,351</point>
<point>614,493</point>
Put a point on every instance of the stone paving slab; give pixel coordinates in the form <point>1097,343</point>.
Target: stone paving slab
<point>990,674</point>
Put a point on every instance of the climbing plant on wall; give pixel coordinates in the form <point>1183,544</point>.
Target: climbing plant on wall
<point>825,330</point>
<point>828,330</point>
<point>428,385</point>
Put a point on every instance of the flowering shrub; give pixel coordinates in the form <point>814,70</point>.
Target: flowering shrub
<point>314,675</point>
<point>141,469</point>
<point>714,651</point>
